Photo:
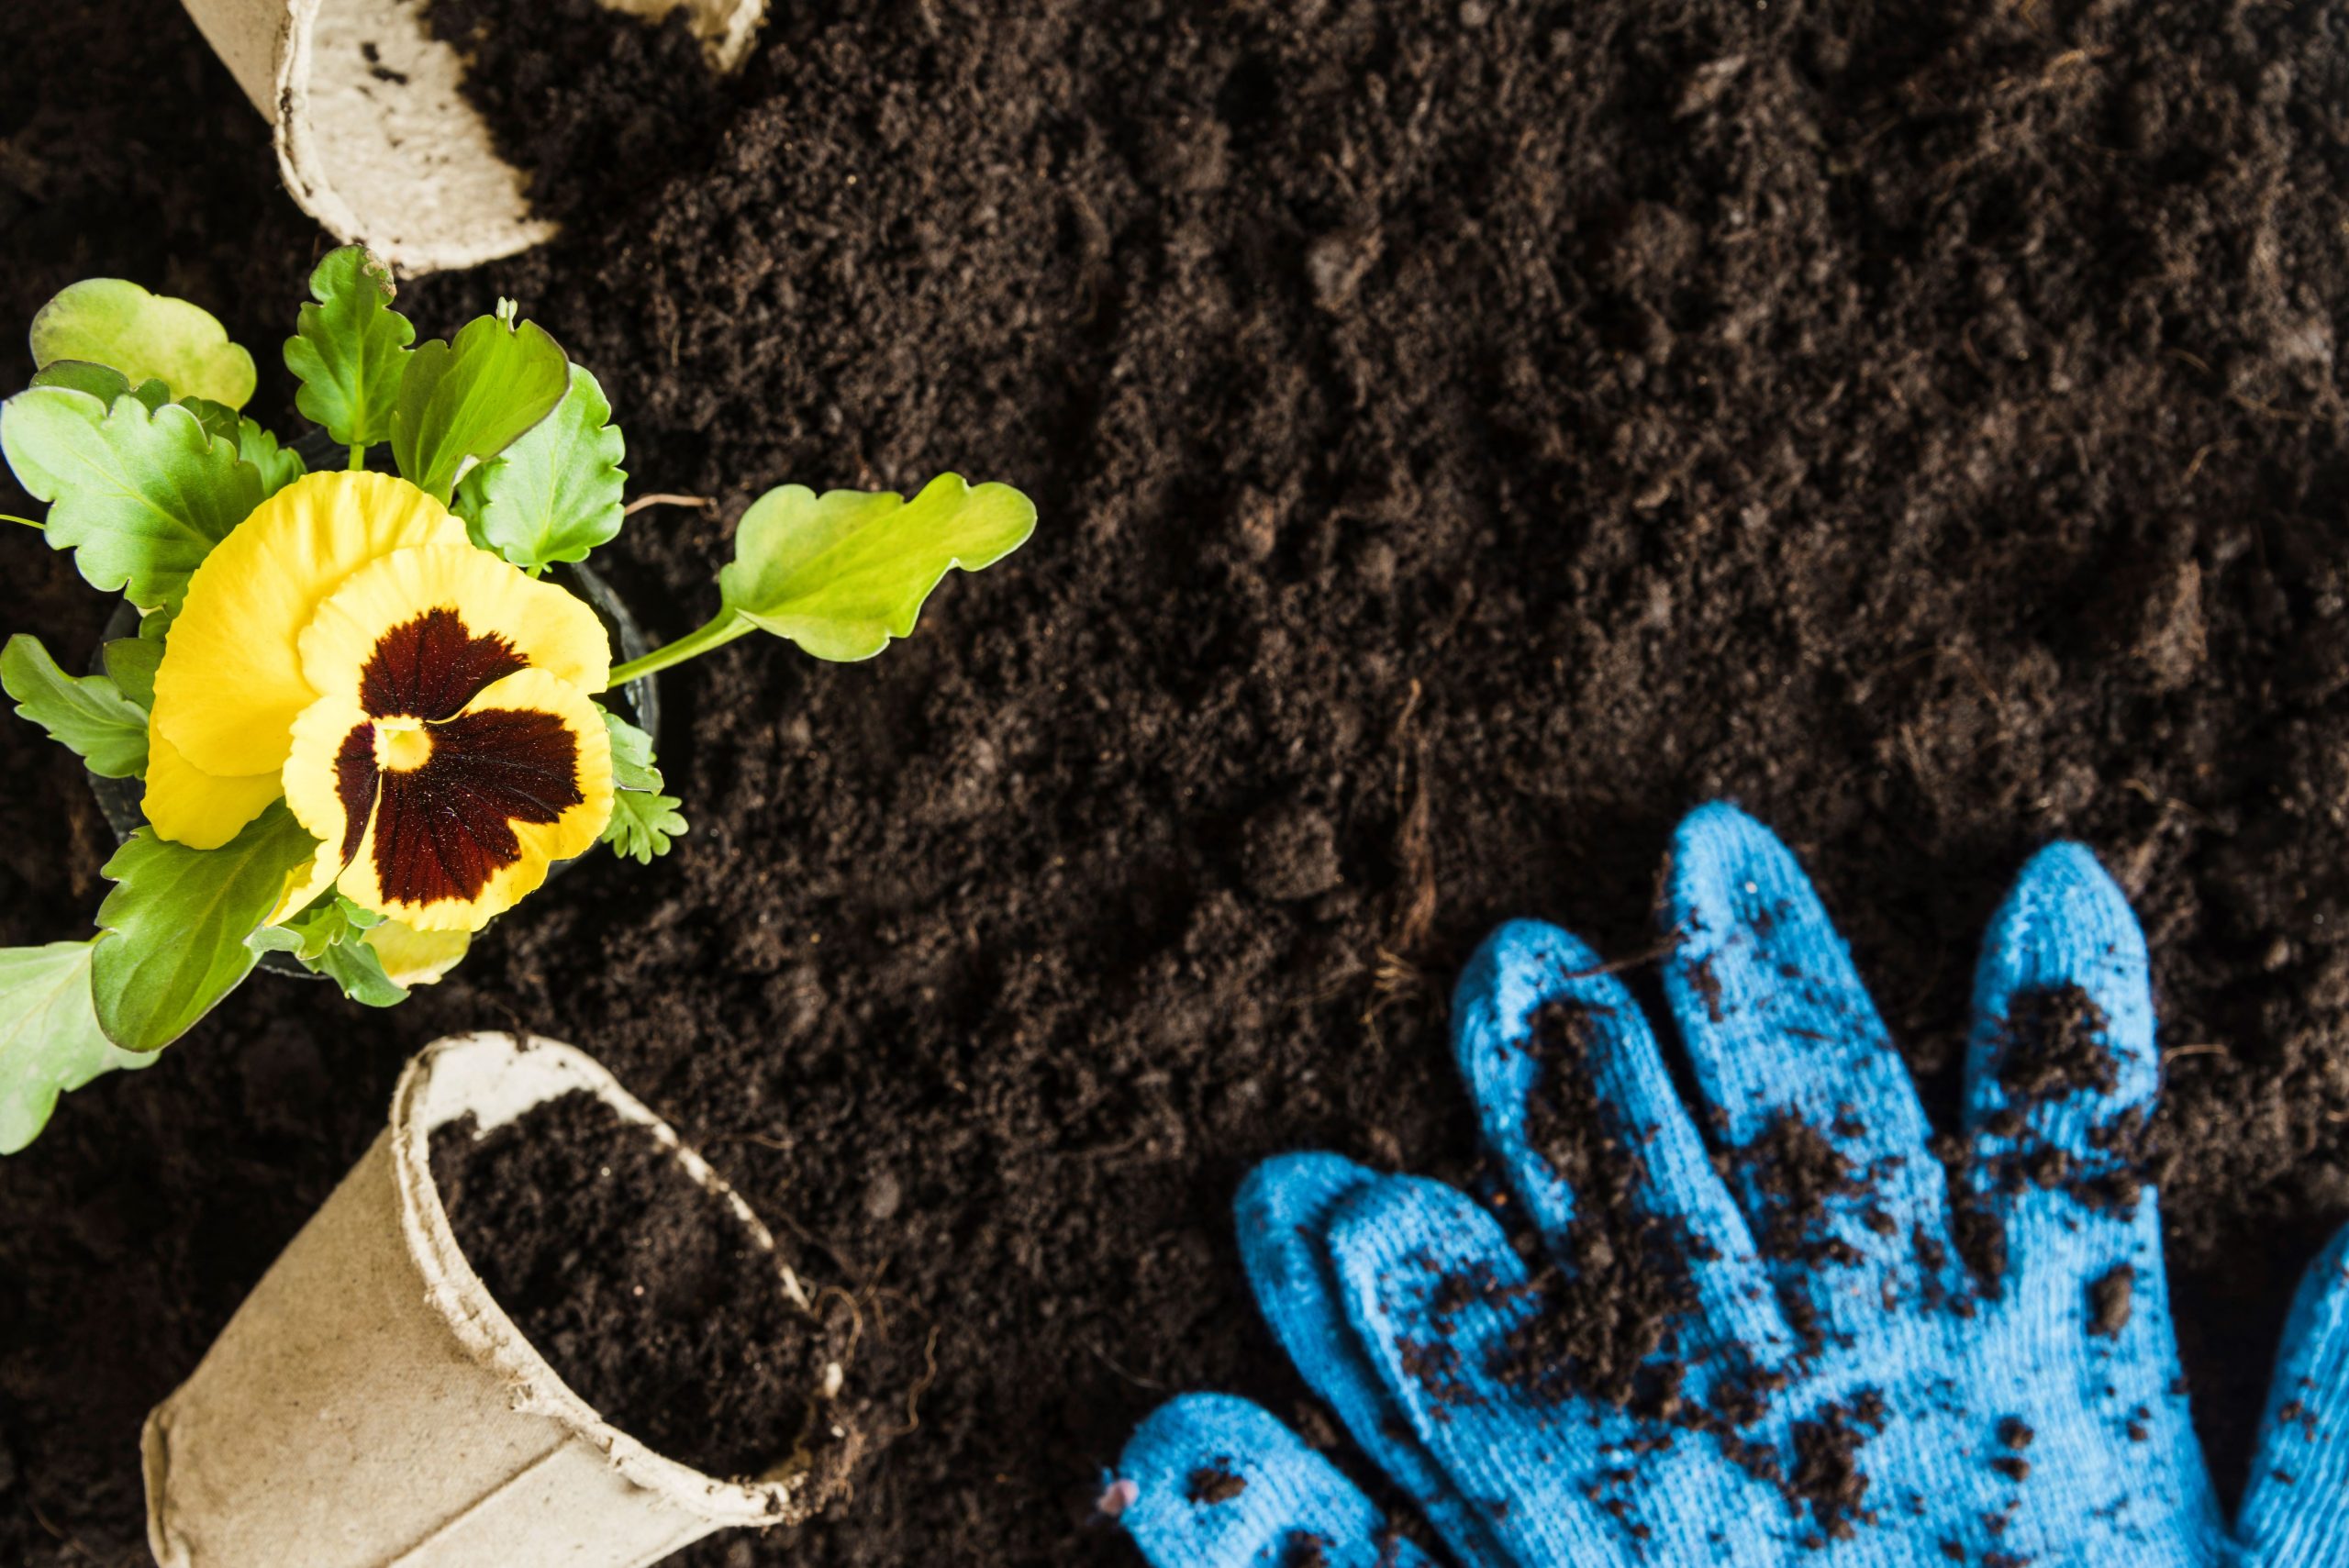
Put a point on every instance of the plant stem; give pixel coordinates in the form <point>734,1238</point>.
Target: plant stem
<point>718,633</point>
<point>12,518</point>
<point>358,456</point>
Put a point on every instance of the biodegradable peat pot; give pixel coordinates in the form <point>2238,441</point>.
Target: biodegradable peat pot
<point>371,1405</point>
<point>375,140</point>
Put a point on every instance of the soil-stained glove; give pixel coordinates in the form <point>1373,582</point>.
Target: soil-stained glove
<point>1821,1345</point>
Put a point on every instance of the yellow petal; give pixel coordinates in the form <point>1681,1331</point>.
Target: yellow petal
<point>190,806</point>
<point>463,826</point>
<point>417,958</point>
<point>305,882</point>
<point>482,614</point>
<point>230,683</point>
<point>315,787</point>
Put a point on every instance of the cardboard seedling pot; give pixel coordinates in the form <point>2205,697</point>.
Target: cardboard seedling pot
<point>375,139</point>
<point>370,1405</point>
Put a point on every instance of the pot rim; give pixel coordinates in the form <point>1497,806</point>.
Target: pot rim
<point>500,1077</point>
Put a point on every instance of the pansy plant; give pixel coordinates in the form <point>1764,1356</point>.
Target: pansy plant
<point>365,719</point>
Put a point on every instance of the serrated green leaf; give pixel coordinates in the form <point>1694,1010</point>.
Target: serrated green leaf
<point>130,664</point>
<point>643,825</point>
<point>328,941</point>
<point>172,930</point>
<point>350,348</point>
<point>473,398</point>
<point>140,497</point>
<point>220,420</point>
<point>50,1039</point>
<point>278,466</point>
<point>842,572</point>
<point>112,321</point>
<point>556,492</point>
<point>357,916</point>
<point>631,753</point>
<point>88,715</point>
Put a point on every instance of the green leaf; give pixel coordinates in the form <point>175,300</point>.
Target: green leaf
<point>327,941</point>
<point>140,496</point>
<point>842,572</point>
<point>473,398</point>
<point>112,321</point>
<point>555,493</point>
<point>130,664</point>
<point>631,753</point>
<point>102,381</point>
<point>106,384</point>
<point>643,825</point>
<point>88,715</point>
<point>356,967</point>
<point>220,420</point>
<point>50,1039</point>
<point>173,929</point>
<point>349,350</point>
<point>278,466</point>
<point>357,916</point>
<point>643,820</point>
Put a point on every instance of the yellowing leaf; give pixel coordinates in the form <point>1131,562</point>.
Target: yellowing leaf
<point>842,572</point>
<point>112,321</point>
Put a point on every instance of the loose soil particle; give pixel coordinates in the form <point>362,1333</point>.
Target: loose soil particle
<point>640,1288</point>
<point>1490,430</point>
<point>1214,1484</point>
<point>1597,1324</point>
<point>2110,1298</point>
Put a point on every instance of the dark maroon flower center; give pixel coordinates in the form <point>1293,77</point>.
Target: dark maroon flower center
<point>445,827</point>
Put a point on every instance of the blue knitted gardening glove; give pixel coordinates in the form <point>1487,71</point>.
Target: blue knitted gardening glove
<point>1817,1345</point>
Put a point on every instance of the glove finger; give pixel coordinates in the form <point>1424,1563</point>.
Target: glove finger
<point>1285,1210</point>
<point>2061,1075</point>
<point>1827,1140</point>
<point>2061,1079</point>
<point>1442,1308</point>
<point>1575,1101</point>
<point>1219,1484</point>
<point>2292,1509</point>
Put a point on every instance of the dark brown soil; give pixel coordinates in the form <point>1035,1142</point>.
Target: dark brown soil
<point>595,108</point>
<point>1467,433</point>
<point>2053,1047</point>
<point>1599,1321</point>
<point>641,1289</point>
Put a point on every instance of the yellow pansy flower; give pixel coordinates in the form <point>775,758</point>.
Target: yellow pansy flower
<point>231,684</point>
<point>424,706</point>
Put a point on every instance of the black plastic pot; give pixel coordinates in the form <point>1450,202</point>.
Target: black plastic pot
<point>638,702</point>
